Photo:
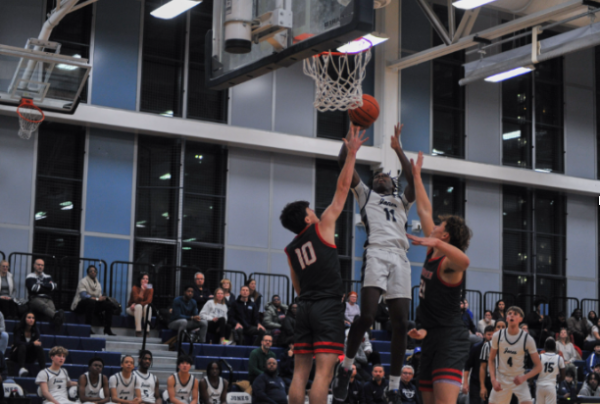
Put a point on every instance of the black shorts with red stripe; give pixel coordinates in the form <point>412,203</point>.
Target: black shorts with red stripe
<point>319,327</point>
<point>443,356</point>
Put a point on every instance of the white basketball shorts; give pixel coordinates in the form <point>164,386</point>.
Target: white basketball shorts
<point>389,271</point>
<point>508,389</point>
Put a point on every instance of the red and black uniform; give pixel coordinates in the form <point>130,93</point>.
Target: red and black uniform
<point>446,347</point>
<point>320,315</point>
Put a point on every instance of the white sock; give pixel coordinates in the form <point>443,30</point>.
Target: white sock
<point>394,382</point>
<point>347,363</point>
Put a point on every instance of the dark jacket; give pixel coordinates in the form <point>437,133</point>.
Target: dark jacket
<point>375,393</point>
<point>257,300</point>
<point>201,296</point>
<point>258,363</point>
<point>468,321</point>
<point>564,388</point>
<point>472,365</point>
<point>183,310</point>
<point>409,393</point>
<point>270,390</point>
<point>287,329</point>
<point>41,285</point>
<point>246,313</point>
<point>355,393</point>
<point>271,319</point>
<point>19,336</point>
<point>286,364</point>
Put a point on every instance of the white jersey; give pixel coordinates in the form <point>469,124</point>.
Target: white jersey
<point>551,365</point>
<point>384,216</point>
<point>146,383</point>
<point>511,351</point>
<point>93,390</point>
<point>184,391</point>
<point>125,387</point>
<point>57,383</point>
<point>214,395</point>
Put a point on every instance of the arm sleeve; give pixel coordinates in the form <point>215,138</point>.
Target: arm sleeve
<point>84,294</point>
<point>177,314</point>
<point>361,192</point>
<point>2,325</point>
<point>147,297</point>
<point>485,353</point>
<point>207,310</point>
<point>42,376</point>
<point>253,369</point>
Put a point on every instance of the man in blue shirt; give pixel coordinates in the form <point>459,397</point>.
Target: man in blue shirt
<point>185,313</point>
<point>269,388</point>
<point>592,360</point>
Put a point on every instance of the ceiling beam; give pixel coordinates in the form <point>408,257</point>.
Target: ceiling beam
<point>435,21</point>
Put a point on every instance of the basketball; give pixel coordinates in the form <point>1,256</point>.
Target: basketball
<point>366,115</point>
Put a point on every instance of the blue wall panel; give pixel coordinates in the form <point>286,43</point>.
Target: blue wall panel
<point>109,182</point>
<point>116,54</point>
<point>252,103</point>
<point>246,261</point>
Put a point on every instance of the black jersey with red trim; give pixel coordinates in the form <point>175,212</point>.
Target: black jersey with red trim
<point>439,301</point>
<point>317,265</point>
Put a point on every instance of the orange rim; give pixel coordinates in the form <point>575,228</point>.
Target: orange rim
<point>28,104</point>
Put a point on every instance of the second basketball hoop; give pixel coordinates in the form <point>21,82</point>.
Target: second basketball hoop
<point>30,117</point>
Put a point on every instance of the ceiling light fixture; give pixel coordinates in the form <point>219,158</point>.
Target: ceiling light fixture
<point>511,135</point>
<point>470,4</point>
<point>173,8</point>
<point>363,43</point>
<point>509,74</point>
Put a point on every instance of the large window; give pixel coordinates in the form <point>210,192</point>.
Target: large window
<point>448,196</point>
<point>172,73</point>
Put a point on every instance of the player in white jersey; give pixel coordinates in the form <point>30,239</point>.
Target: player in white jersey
<point>553,372</point>
<point>122,384</point>
<point>93,385</point>
<point>182,386</point>
<point>485,384</point>
<point>147,383</point>
<point>213,388</point>
<point>54,381</point>
<point>510,346</point>
<point>386,268</point>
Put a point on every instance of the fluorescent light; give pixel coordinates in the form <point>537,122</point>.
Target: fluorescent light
<point>363,43</point>
<point>470,4</point>
<point>166,176</point>
<point>509,74</point>
<point>543,170</point>
<point>511,135</point>
<point>173,8</point>
<point>437,152</point>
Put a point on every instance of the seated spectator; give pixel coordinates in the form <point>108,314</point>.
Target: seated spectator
<point>577,327</point>
<point>92,382</point>
<point>3,336</point>
<point>259,357</point>
<point>8,293</point>
<point>185,314</point>
<point>88,300</point>
<point>593,337</point>
<point>139,303</point>
<point>245,319</point>
<point>181,391</point>
<point>352,309</point>
<point>414,360</point>
<point>40,288</point>
<point>201,294</point>
<point>286,365</point>
<point>567,389</point>
<point>487,320</point>
<point>383,315</point>
<point>408,390</point>
<point>54,381</point>
<point>274,316</point>
<point>568,351</point>
<point>469,312</point>
<point>524,327</point>
<point>215,312</point>
<point>592,318</point>
<point>539,324</point>
<point>27,346</point>
<point>364,356</point>
<point>499,311</point>
<point>255,296</point>
<point>592,360</point>
<point>590,387</point>
<point>268,388</point>
<point>374,389</point>
<point>229,297</point>
<point>474,335</point>
<point>355,390</point>
<point>559,323</point>
<point>287,327</point>
<point>213,388</point>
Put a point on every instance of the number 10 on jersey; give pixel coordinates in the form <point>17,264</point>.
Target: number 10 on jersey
<point>306,255</point>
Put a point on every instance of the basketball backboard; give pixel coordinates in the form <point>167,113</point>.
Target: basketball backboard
<point>53,81</point>
<point>252,38</point>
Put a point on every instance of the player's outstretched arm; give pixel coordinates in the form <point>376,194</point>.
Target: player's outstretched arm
<point>424,209</point>
<point>456,259</point>
<point>344,153</point>
<point>409,191</point>
<point>328,218</point>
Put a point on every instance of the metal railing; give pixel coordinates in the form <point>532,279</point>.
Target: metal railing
<point>72,269</point>
<point>21,265</point>
<point>272,284</point>
<point>562,304</point>
<point>587,305</point>
<point>3,255</point>
<point>213,277</point>
<point>475,300</point>
<point>168,283</point>
<point>490,299</point>
<point>122,275</point>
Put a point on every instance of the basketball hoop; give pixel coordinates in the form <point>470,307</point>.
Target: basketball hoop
<point>342,89</point>
<point>30,117</point>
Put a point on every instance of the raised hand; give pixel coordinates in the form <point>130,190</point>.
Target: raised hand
<point>355,139</point>
<point>395,139</point>
<point>424,241</point>
<point>417,334</point>
<point>416,168</point>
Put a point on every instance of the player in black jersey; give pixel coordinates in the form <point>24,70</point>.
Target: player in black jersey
<point>445,339</point>
<point>316,276</point>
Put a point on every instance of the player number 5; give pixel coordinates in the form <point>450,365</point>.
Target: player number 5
<point>306,255</point>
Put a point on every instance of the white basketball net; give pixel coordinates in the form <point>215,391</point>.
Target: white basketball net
<point>342,90</point>
<point>29,120</point>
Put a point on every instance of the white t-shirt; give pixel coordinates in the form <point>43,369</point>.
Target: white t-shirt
<point>384,216</point>
<point>551,364</point>
<point>511,351</point>
<point>591,336</point>
<point>125,387</point>
<point>146,383</point>
<point>57,383</point>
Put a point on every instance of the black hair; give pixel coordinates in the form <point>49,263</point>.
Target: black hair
<point>184,359</point>
<point>144,352</point>
<point>125,357</point>
<point>487,311</point>
<point>590,376</point>
<point>140,277</point>
<point>187,286</point>
<point>274,296</point>
<point>209,367</point>
<point>569,372</point>
<point>293,215</point>
<point>489,328</point>
<point>87,271</point>
<point>500,320</point>
<point>22,322</point>
<point>550,345</point>
<point>378,365</point>
<point>95,359</point>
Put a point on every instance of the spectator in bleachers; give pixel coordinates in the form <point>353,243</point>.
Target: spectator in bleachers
<point>287,327</point>
<point>269,388</point>
<point>468,311</point>
<point>213,388</point>
<point>122,385</point>
<point>486,321</point>
<point>185,315</point>
<point>8,293</point>
<point>559,323</point>
<point>255,296</point>
<point>201,294</point>
<point>593,337</point>
<point>577,327</point>
<point>592,318</point>
<point>259,357</point>
<point>275,313</point>
<point>355,389</point>
<point>146,382</point>
<point>567,389</point>
<point>499,310</point>
<point>474,335</point>
<point>568,351</point>
<point>590,387</point>
<point>364,355</point>
<point>27,346</point>
<point>374,389</point>
<point>215,312</point>
<point>92,382</point>
<point>592,360</point>
<point>88,300</point>
<point>3,336</point>
<point>286,365</point>
<point>408,390</point>
<point>245,321</point>
<point>352,309</point>
<point>485,382</point>
<point>54,381</point>
<point>182,386</point>
<point>471,376</point>
<point>539,325</point>
<point>40,288</point>
<point>139,302</point>
<point>383,315</point>
<point>524,327</point>
<point>414,360</point>
<point>229,297</point>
